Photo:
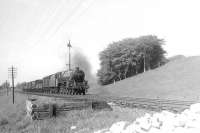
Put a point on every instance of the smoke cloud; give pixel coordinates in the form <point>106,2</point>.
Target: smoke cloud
<point>81,61</point>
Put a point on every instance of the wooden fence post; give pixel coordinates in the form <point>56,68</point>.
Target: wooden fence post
<point>52,110</point>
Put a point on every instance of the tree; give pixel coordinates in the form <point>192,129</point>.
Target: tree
<point>129,57</point>
<point>5,85</point>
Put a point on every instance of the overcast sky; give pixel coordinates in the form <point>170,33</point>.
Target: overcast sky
<point>34,33</point>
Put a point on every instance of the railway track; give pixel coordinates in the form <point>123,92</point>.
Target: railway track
<point>145,103</point>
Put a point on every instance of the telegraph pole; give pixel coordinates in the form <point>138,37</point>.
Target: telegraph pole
<point>69,46</point>
<point>144,56</point>
<point>7,87</point>
<point>12,72</point>
<point>144,62</point>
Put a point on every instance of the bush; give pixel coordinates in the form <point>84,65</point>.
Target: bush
<point>3,122</point>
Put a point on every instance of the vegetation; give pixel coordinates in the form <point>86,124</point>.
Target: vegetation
<point>5,85</point>
<point>13,118</point>
<point>129,57</point>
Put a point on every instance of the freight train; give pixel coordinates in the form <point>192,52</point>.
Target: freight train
<point>70,82</point>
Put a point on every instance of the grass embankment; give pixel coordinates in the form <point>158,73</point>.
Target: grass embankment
<point>13,118</point>
<point>178,79</point>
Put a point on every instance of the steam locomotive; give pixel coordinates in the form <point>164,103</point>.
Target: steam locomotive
<point>70,82</point>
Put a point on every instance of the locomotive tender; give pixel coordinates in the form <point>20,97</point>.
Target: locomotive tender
<point>65,82</point>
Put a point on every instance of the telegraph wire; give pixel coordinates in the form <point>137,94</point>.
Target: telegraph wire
<point>47,21</point>
<point>79,16</point>
<point>86,9</point>
<point>51,25</point>
<point>66,19</point>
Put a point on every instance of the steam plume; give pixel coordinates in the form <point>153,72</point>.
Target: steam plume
<point>81,61</point>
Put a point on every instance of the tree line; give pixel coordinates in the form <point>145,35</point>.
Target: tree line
<point>130,56</point>
<point>4,85</point>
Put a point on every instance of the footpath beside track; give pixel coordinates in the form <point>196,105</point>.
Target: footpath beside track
<point>145,103</point>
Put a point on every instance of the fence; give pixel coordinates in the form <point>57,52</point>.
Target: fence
<point>48,110</point>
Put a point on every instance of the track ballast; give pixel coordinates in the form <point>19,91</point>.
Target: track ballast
<point>145,103</point>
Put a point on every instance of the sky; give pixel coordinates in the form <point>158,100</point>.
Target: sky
<point>34,33</point>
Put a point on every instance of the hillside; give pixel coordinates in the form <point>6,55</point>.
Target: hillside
<point>178,79</point>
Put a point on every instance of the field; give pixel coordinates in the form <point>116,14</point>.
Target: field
<point>13,118</point>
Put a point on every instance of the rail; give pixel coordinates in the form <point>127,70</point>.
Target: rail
<point>145,103</point>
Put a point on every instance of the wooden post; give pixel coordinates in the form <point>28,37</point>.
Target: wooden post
<point>12,71</point>
<point>52,110</point>
<point>144,62</point>
<point>13,86</point>
<point>7,87</point>
<point>28,108</point>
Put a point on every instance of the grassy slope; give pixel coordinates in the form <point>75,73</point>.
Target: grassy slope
<point>178,79</point>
